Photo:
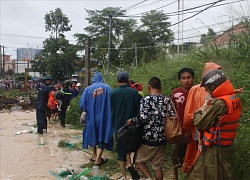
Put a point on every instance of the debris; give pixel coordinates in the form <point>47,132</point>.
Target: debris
<point>22,132</point>
<point>16,107</point>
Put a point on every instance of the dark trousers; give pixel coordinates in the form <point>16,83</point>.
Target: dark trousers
<point>41,121</point>
<point>61,115</point>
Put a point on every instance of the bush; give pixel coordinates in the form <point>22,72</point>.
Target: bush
<point>241,154</point>
<point>74,112</point>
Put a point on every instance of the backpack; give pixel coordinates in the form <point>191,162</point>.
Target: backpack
<point>130,137</point>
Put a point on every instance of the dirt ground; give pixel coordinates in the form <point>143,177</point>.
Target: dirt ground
<point>23,157</point>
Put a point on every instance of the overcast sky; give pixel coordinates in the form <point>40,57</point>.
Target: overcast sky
<point>22,22</point>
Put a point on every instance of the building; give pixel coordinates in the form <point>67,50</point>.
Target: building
<point>27,54</point>
<point>224,38</point>
<point>24,56</point>
<point>7,65</point>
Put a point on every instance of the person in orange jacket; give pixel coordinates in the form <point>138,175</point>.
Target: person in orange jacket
<point>196,98</point>
<point>217,121</point>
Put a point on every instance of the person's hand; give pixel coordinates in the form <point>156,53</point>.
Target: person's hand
<point>241,90</point>
<point>188,136</point>
<point>129,122</point>
<point>200,148</point>
<point>200,145</point>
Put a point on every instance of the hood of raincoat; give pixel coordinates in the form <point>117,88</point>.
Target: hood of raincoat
<point>97,78</point>
<point>210,66</point>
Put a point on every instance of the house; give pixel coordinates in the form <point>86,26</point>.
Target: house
<point>6,64</point>
<point>224,38</point>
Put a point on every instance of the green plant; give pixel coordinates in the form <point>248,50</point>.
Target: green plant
<point>241,154</point>
<point>74,112</point>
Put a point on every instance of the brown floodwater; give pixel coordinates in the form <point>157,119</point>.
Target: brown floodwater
<point>23,157</point>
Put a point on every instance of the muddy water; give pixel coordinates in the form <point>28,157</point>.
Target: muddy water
<point>23,157</point>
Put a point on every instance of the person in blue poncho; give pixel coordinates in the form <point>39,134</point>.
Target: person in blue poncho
<point>98,132</point>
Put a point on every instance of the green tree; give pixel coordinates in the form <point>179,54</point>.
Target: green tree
<point>60,67</point>
<point>157,24</point>
<point>205,38</point>
<point>98,31</point>
<point>57,23</point>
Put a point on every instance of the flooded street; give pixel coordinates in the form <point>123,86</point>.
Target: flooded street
<point>22,155</point>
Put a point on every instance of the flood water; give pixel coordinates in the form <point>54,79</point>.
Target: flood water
<point>23,157</point>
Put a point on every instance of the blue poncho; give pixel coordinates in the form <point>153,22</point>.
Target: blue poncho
<point>95,100</point>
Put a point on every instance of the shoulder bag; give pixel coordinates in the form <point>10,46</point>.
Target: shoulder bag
<point>173,130</point>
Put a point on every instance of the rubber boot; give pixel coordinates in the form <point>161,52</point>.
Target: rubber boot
<point>39,129</point>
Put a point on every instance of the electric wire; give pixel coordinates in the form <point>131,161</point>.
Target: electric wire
<point>130,7</point>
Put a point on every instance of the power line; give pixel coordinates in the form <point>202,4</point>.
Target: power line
<point>148,4</point>
<point>149,10</point>
<point>25,36</point>
<point>185,11</point>
<point>130,7</point>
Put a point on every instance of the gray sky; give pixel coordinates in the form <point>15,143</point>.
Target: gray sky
<point>22,22</point>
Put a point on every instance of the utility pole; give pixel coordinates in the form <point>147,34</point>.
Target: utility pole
<point>1,57</point>
<point>3,64</point>
<point>17,61</point>
<point>136,55</point>
<point>87,63</point>
<point>178,31</point>
<point>110,31</point>
<point>182,25</point>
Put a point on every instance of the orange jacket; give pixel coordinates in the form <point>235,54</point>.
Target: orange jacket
<point>224,132</point>
<point>196,98</point>
<point>52,103</point>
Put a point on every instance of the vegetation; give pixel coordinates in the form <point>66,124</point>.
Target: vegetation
<point>235,66</point>
<point>141,51</point>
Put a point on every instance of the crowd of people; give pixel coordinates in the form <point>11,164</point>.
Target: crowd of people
<point>209,113</point>
<point>53,100</point>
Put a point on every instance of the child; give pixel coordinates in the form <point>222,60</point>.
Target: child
<point>137,87</point>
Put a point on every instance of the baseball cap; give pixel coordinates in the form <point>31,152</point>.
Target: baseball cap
<point>122,75</point>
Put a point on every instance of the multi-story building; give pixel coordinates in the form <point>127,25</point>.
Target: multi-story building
<point>27,54</point>
<point>24,56</point>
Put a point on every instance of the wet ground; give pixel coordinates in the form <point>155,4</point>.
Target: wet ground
<point>25,155</point>
<point>22,155</point>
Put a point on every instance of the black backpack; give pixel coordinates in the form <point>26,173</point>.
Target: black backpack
<point>130,137</point>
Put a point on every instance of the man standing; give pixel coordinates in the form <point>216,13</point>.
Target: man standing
<point>153,111</point>
<point>65,97</point>
<point>179,97</point>
<point>196,98</point>
<point>41,103</point>
<point>217,121</point>
<point>124,103</point>
<point>98,130</point>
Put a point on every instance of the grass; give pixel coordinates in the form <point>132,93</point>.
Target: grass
<point>112,168</point>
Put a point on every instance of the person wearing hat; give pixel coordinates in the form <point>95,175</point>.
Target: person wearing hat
<point>73,90</point>
<point>217,120</point>
<point>125,104</point>
<point>79,88</point>
<point>41,103</point>
<point>65,96</point>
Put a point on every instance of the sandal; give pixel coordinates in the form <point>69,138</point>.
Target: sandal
<point>103,160</point>
<point>91,159</point>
